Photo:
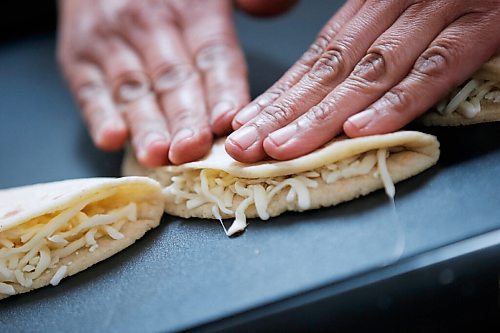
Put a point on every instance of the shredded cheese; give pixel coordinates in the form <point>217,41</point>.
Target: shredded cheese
<point>29,249</point>
<point>466,100</point>
<point>233,196</point>
<point>7,289</point>
<point>59,275</point>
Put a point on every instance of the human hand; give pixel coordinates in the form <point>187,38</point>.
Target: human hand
<point>373,68</point>
<point>167,73</point>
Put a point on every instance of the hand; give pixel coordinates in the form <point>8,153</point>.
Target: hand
<point>166,72</point>
<point>374,67</point>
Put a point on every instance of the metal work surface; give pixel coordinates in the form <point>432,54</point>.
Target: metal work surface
<point>187,272</point>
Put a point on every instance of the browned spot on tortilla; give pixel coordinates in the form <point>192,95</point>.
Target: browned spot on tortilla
<point>11,213</point>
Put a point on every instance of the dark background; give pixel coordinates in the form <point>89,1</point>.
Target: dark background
<point>20,18</point>
<point>329,269</point>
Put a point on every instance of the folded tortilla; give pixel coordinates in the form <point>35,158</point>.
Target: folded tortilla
<point>219,187</point>
<point>476,101</point>
<point>53,230</point>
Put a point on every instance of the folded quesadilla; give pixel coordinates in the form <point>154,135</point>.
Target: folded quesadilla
<point>476,101</point>
<point>218,187</point>
<point>53,230</point>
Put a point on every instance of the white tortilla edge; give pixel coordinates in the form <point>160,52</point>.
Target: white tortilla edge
<point>336,150</point>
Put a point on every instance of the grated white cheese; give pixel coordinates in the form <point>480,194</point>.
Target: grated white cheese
<point>232,196</point>
<point>59,275</point>
<point>7,289</point>
<point>113,233</point>
<point>467,99</point>
<point>28,250</point>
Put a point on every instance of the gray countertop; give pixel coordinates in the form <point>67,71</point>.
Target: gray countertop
<point>187,272</point>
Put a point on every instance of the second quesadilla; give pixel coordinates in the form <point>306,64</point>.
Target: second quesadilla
<point>218,187</point>
<point>53,230</point>
<point>476,101</point>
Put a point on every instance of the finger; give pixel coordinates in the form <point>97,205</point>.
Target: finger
<point>264,7</point>
<point>338,60</point>
<point>122,68</point>
<point>187,121</point>
<point>210,35</point>
<point>301,67</point>
<point>178,85</point>
<point>150,137</point>
<point>106,125</point>
<point>386,63</point>
<point>451,58</point>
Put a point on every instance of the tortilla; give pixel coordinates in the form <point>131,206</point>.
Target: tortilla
<point>54,230</point>
<point>219,187</point>
<point>476,101</point>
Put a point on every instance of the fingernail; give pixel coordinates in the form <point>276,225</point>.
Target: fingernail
<point>221,109</point>
<point>244,137</point>
<point>361,119</point>
<point>247,114</point>
<point>183,134</point>
<point>282,135</point>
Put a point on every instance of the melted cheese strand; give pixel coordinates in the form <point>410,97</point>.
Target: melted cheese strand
<point>215,211</point>
<point>390,190</point>
<point>240,222</point>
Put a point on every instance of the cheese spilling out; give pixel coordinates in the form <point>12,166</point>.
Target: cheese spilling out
<point>466,100</point>
<point>231,196</point>
<point>29,249</point>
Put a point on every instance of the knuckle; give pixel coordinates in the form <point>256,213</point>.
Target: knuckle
<point>320,113</point>
<point>271,95</point>
<point>90,92</point>
<point>182,116</point>
<point>174,75</point>
<point>371,69</point>
<point>217,52</point>
<point>397,99</point>
<point>101,29</point>
<point>278,114</point>
<point>132,15</point>
<point>436,61</point>
<point>137,15</point>
<point>276,91</point>
<point>329,67</point>
<point>185,117</point>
